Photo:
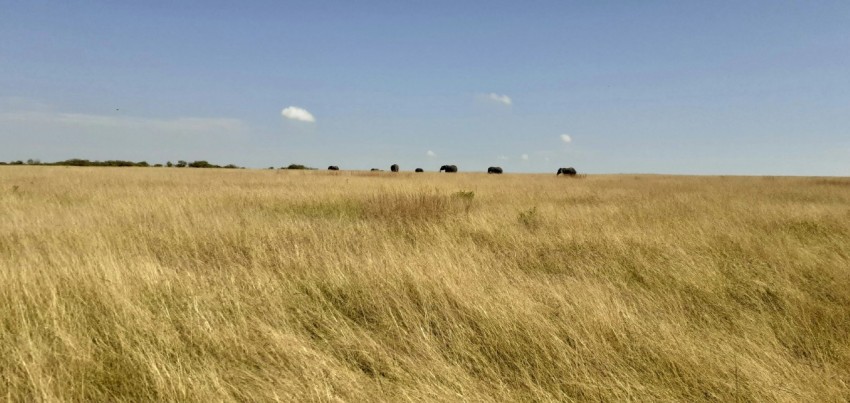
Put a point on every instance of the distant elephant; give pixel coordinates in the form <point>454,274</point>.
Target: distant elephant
<point>448,168</point>
<point>494,170</point>
<point>566,171</point>
<point>420,170</point>
<point>333,168</point>
<point>394,167</point>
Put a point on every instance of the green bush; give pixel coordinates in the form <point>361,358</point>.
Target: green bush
<point>202,164</point>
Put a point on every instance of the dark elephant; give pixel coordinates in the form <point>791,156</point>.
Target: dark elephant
<point>566,171</point>
<point>448,168</point>
<point>494,170</point>
<point>333,168</point>
<point>394,167</point>
<point>420,170</point>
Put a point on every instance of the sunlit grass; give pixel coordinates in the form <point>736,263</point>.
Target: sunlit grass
<point>180,284</point>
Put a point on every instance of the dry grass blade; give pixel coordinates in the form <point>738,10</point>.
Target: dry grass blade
<point>207,285</point>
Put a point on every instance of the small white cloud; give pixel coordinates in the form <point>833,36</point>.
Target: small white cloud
<point>566,138</point>
<point>503,99</point>
<point>525,157</point>
<point>296,113</point>
<point>431,154</point>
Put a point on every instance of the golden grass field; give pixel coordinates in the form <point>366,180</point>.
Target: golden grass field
<point>159,284</point>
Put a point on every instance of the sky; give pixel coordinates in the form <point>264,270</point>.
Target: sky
<point>674,87</point>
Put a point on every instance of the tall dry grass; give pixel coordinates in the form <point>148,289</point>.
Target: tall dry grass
<point>207,285</point>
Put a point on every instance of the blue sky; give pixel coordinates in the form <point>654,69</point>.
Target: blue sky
<point>684,87</point>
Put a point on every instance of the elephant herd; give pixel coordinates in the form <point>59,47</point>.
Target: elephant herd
<point>453,168</point>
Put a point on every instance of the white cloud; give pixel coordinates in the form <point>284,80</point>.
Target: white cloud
<point>566,138</point>
<point>296,113</point>
<point>525,157</point>
<point>503,99</point>
<point>431,154</point>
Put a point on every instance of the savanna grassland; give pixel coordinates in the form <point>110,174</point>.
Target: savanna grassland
<point>207,285</point>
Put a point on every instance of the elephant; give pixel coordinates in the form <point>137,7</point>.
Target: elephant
<point>420,170</point>
<point>394,167</point>
<point>566,171</point>
<point>448,168</point>
<point>333,168</point>
<point>494,170</point>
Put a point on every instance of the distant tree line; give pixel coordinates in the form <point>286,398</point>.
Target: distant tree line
<point>295,166</point>
<point>77,162</point>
